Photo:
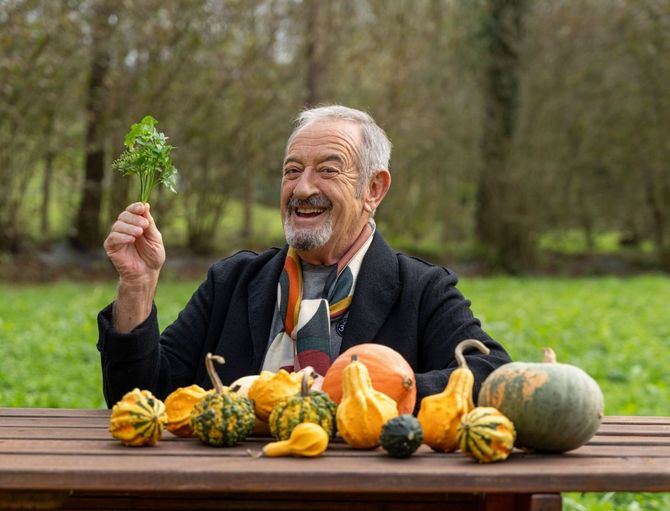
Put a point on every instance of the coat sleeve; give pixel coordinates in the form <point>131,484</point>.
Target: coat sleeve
<point>148,360</point>
<point>445,319</point>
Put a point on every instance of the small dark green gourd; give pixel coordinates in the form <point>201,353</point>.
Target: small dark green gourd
<point>306,406</point>
<point>401,436</point>
<point>222,417</point>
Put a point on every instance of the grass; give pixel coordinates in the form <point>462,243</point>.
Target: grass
<point>573,241</point>
<point>614,328</point>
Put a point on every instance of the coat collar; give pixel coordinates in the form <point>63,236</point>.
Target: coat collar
<point>377,288</point>
<point>262,302</point>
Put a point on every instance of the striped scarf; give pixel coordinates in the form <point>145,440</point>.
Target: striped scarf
<point>305,339</point>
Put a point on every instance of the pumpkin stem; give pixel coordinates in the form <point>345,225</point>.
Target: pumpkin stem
<point>354,358</point>
<point>464,345</point>
<point>213,375</point>
<point>306,373</point>
<point>549,356</point>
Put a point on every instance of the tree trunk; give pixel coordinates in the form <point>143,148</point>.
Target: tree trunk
<point>501,210</point>
<point>314,59</point>
<point>48,173</point>
<point>88,234</point>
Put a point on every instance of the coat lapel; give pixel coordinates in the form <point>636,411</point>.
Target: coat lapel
<point>262,301</point>
<point>377,289</point>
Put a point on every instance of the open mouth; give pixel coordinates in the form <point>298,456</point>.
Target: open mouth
<point>309,212</point>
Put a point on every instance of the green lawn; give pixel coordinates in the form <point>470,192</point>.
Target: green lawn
<point>614,328</point>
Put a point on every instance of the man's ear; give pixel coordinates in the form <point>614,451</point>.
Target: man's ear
<point>377,189</point>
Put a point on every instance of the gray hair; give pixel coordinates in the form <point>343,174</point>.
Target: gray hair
<point>375,150</point>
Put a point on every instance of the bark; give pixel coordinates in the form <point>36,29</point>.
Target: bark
<point>88,234</point>
<point>313,57</point>
<point>48,173</point>
<point>501,214</point>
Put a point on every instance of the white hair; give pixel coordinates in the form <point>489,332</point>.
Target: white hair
<point>375,150</point>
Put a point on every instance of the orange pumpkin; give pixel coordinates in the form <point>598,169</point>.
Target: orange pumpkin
<point>389,371</point>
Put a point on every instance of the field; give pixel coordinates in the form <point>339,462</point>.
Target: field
<point>614,328</point>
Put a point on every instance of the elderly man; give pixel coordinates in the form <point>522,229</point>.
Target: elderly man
<point>335,284</point>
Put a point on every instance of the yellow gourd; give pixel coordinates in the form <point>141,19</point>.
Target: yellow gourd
<point>307,439</point>
<point>179,405</point>
<point>363,410</point>
<point>440,414</point>
<point>269,388</point>
<point>138,419</point>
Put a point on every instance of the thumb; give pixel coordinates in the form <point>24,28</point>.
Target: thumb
<point>152,230</point>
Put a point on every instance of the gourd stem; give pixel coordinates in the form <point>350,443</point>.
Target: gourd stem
<point>549,356</point>
<point>464,345</point>
<point>306,373</point>
<point>213,375</point>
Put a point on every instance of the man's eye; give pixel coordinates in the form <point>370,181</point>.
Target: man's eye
<point>290,171</point>
<point>328,171</point>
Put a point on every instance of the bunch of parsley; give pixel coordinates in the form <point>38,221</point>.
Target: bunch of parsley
<point>147,155</point>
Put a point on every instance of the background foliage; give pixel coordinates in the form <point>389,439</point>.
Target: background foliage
<point>512,121</point>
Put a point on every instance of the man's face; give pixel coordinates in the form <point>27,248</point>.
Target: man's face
<point>321,212</point>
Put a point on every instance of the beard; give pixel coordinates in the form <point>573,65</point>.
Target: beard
<point>308,239</point>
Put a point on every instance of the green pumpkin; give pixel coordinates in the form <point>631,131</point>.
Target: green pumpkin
<point>307,406</point>
<point>554,407</point>
<point>401,436</point>
<point>222,417</point>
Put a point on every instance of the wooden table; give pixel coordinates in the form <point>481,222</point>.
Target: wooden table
<point>57,458</point>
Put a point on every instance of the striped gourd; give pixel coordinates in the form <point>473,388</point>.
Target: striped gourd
<point>307,406</point>
<point>138,419</point>
<point>486,435</point>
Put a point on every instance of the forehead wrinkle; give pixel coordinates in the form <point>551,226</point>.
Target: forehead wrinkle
<point>331,150</point>
<point>340,140</point>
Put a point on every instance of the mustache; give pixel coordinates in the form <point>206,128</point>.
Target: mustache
<point>315,201</point>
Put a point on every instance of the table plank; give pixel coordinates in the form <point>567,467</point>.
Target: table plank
<point>446,473</point>
<point>635,419</point>
<point>192,447</point>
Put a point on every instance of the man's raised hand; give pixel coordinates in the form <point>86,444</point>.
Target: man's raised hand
<point>135,246</point>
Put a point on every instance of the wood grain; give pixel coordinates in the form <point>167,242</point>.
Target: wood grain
<point>55,451</point>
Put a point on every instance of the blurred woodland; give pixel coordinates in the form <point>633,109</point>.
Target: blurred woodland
<point>513,121</point>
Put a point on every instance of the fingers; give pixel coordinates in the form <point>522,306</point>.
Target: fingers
<point>116,240</point>
<point>126,227</point>
<point>137,208</point>
<point>129,226</point>
<point>133,219</point>
<point>137,221</point>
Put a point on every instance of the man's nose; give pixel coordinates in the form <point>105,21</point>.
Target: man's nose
<point>306,184</point>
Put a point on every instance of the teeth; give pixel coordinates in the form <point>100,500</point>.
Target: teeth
<point>308,211</point>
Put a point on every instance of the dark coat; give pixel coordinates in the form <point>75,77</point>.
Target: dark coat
<point>399,301</point>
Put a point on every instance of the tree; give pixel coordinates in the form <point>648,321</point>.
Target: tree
<point>501,216</point>
<point>87,223</point>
